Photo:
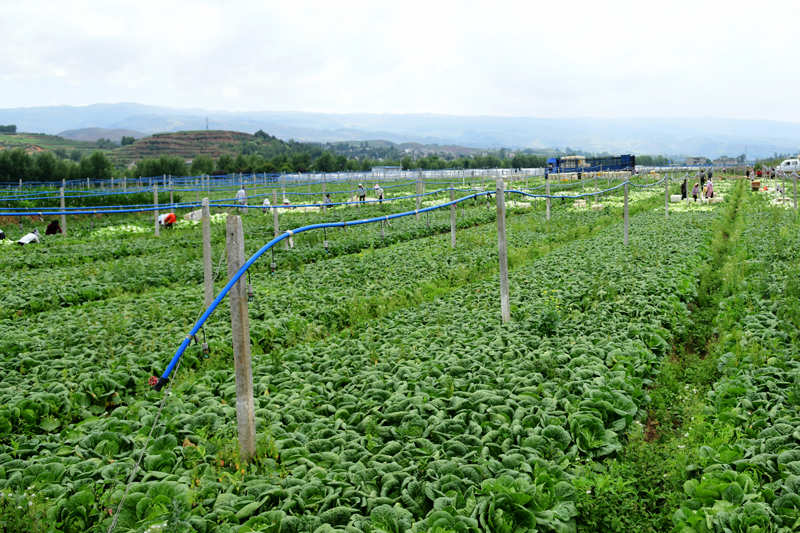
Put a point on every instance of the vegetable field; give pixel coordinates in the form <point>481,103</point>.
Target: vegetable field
<point>652,387</point>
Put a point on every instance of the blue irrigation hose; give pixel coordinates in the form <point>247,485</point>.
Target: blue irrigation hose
<point>211,308</point>
<point>228,286</point>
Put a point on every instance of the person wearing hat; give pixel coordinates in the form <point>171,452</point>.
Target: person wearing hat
<point>709,189</point>
<point>378,193</point>
<point>53,228</point>
<point>362,194</point>
<point>286,203</point>
<point>29,238</point>
<point>265,205</point>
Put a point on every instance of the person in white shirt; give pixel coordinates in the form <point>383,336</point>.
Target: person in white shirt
<point>266,205</point>
<point>240,199</point>
<point>29,238</point>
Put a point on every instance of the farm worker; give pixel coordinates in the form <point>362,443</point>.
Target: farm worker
<point>161,218</point>
<point>286,202</point>
<point>265,205</point>
<point>378,192</point>
<point>710,190</point>
<point>29,238</point>
<point>703,179</point>
<point>53,228</point>
<point>748,174</point>
<point>695,191</point>
<point>684,186</point>
<point>167,220</point>
<point>362,194</point>
<point>2,235</point>
<point>240,195</point>
<point>327,199</point>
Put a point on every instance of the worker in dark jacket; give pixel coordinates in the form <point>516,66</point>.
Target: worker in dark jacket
<point>53,228</point>
<point>684,191</point>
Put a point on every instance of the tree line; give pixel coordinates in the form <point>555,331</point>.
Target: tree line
<point>49,166</point>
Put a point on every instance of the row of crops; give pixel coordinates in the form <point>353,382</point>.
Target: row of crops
<point>748,477</point>
<point>389,397</point>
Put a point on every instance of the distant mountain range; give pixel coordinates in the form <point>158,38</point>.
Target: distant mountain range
<point>709,137</point>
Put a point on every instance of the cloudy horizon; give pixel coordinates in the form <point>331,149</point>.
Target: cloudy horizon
<point>574,59</point>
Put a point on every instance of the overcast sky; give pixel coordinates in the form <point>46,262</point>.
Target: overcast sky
<point>727,58</point>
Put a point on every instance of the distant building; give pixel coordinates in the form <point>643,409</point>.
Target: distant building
<point>692,161</point>
<point>725,161</point>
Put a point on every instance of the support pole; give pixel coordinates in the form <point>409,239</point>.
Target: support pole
<point>419,198</point>
<point>625,215</point>
<point>240,326</point>
<point>452,218</point>
<point>196,191</point>
<point>794,180</point>
<point>171,197</point>
<point>324,205</point>
<point>505,304</point>
<point>208,274</point>
<point>547,192</point>
<point>64,217</point>
<point>666,196</point>
<point>155,204</point>
<point>275,225</point>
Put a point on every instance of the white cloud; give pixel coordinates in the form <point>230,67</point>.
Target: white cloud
<point>546,59</point>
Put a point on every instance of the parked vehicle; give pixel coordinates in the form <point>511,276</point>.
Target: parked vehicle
<point>790,165</point>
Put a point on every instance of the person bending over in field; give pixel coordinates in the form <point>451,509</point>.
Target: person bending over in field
<point>709,189</point>
<point>265,206</point>
<point>53,228</point>
<point>168,220</point>
<point>29,238</point>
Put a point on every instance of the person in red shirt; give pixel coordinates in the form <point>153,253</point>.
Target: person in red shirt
<point>53,228</point>
<point>169,220</point>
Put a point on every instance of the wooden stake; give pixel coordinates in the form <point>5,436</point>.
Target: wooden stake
<point>240,328</point>
<point>452,218</point>
<point>208,273</point>
<point>64,217</point>
<point>155,204</point>
<point>625,215</point>
<point>505,305</point>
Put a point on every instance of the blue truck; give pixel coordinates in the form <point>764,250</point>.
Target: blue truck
<point>580,164</point>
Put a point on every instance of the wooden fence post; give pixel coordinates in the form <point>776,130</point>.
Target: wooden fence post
<point>547,192</point>
<point>666,196</point>
<point>155,204</point>
<point>240,329</point>
<point>208,273</point>
<point>452,218</point>
<point>625,215</point>
<point>505,305</point>
<point>64,217</point>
